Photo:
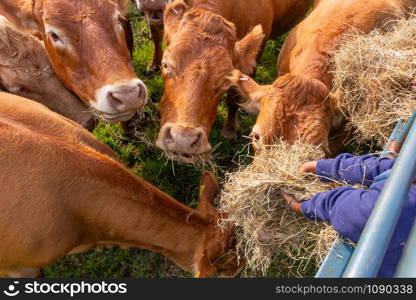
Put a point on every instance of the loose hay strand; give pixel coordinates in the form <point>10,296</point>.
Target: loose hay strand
<point>265,226</point>
<point>373,75</point>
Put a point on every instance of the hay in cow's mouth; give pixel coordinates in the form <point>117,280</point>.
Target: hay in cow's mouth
<point>266,228</point>
<point>202,161</point>
<point>374,76</point>
<point>113,118</point>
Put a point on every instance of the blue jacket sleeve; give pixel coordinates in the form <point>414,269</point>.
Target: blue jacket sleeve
<point>346,208</point>
<point>353,169</point>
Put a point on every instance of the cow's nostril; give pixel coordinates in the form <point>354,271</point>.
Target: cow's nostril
<point>142,91</point>
<point>196,143</point>
<point>168,136</point>
<point>113,98</point>
<point>255,136</point>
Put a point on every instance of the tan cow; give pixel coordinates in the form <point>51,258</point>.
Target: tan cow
<point>298,105</point>
<point>86,43</point>
<point>25,70</point>
<point>205,42</point>
<point>64,192</point>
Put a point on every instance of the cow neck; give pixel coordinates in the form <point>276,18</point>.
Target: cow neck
<point>130,211</point>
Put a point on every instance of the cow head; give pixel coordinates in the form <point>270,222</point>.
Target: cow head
<point>25,70</point>
<point>86,44</point>
<point>202,50</point>
<point>216,253</point>
<point>152,9</point>
<point>292,109</point>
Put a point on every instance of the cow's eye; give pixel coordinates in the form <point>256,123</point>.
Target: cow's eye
<point>19,90</point>
<point>166,68</point>
<point>55,38</point>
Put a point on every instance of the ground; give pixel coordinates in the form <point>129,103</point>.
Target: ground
<point>178,180</point>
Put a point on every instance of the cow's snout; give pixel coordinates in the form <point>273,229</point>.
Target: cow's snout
<point>256,137</point>
<point>185,140</point>
<point>121,100</point>
<point>127,97</point>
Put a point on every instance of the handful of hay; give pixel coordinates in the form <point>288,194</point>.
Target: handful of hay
<point>265,225</point>
<point>374,75</point>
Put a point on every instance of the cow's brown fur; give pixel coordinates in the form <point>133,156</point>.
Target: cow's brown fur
<point>205,41</point>
<point>299,104</point>
<point>25,70</point>
<point>64,192</point>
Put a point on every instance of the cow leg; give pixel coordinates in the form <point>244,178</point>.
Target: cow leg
<point>231,126</point>
<point>128,30</point>
<point>129,127</point>
<point>156,31</point>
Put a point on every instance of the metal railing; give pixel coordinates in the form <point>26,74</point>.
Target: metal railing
<point>343,260</point>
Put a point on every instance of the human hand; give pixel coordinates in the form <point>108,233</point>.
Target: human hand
<point>309,167</point>
<point>292,202</point>
<point>394,148</point>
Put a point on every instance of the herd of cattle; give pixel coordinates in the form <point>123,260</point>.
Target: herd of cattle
<point>64,192</point>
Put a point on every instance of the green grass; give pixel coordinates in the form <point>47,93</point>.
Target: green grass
<point>178,180</point>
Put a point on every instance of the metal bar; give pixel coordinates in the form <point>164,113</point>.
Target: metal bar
<point>396,135</point>
<point>336,260</point>
<point>374,240</point>
<point>407,265</point>
<point>406,128</point>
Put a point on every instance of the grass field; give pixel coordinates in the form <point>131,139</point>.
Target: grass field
<point>178,180</point>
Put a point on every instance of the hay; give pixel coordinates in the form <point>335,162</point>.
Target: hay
<point>203,161</point>
<point>266,228</point>
<point>373,75</point>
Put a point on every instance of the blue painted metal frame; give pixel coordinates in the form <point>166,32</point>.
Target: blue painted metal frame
<point>396,135</point>
<point>336,260</point>
<point>406,128</point>
<point>340,254</point>
<point>407,265</point>
<point>371,248</point>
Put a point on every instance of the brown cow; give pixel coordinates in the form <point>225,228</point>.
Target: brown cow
<point>64,192</point>
<point>299,106</point>
<point>86,44</point>
<point>204,43</point>
<point>153,12</point>
<point>25,70</point>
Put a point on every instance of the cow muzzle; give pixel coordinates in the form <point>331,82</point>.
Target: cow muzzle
<point>120,102</point>
<point>183,140</point>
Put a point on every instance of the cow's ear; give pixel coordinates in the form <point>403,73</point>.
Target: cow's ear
<point>22,17</point>
<point>173,15</point>
<point>123,7</point>
<point>208,191</point>
<point>250,90</point>
<point>247,50</point>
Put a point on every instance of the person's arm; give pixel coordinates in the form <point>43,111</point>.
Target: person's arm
<point>353,169</point>
<point>346,208</point>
